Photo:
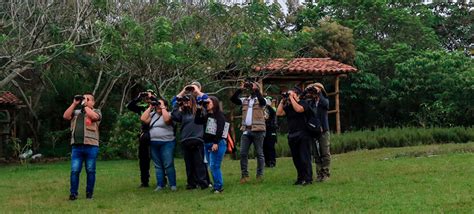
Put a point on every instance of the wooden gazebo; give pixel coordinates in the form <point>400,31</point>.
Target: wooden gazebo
<point>9,105</point>
<point>303,71</point>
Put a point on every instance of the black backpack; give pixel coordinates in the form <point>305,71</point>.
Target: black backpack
<point>313,123</point>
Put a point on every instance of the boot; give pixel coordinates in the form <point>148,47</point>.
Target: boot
<point>319,175</point>
<point>324,175</point>
<point>327,173</point>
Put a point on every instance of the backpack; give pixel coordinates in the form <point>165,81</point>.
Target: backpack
<point>313,123</point>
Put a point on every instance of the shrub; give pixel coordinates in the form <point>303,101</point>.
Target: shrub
<point>123,142</point>
<point>385,137</point>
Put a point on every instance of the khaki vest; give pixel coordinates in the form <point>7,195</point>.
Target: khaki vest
<point>258,116</point>
<point>91,132</point>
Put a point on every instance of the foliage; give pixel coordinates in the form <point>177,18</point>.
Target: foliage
<point>402,49</point>
<point>123,142</point>
<point>443,85</point>
<point>399,137</point>
<point>384,138</point>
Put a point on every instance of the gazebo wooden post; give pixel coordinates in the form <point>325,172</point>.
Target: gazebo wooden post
<point>338,116</point>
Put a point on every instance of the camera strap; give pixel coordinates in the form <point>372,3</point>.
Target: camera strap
<point>151,125</point>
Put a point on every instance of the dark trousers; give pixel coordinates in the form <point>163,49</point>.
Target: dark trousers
<point>196,170</point>
<point>269,149</point>
<point>144,161</point>
<point>300,146</point>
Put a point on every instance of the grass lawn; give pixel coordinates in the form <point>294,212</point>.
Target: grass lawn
<point>435,178</point>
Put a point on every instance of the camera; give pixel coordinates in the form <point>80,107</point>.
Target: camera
<point>310,92</point>
<point>155,103</point>
<point>285,94</point>
<point>79,98</point>
<point>248,84</point>
<point>203,103</point>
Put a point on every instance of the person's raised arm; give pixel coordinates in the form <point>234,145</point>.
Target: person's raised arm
<point>70,110</point>
<point>133,105</point>
<point>146,117</point>
<point>259,96</point>
<point>90,113</point>
<point>176,114</point>
<point>235,98</point>
<point>296,106</point>
<point>165,114</point>
<point>280,112</point>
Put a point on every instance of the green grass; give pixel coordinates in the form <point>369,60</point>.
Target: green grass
<point>433,178</point>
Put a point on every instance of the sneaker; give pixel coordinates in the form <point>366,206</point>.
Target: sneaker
<point>173,188</point>
<point>158,188</point>
<point>244,180</point>
<point>217,191</point>
<point>72,197</point>
<point>89,195</point>
<point>322,178</point>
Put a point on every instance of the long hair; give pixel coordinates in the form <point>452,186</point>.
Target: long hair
<point>193,104</point>
<point>216,109</point>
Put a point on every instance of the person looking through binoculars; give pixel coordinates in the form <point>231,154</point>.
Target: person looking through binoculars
<point>138,105</point>
<point>299,138</point>
<point>191,134</point>
<point>317,99</point>
<point>85,121</point>
<point>162,142</point>
<point>253,127</point>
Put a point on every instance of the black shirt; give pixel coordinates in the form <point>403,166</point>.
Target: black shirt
<point>296,121</point>
<point>270,120</point>
<point>202,117</point>
<point>134,106</point>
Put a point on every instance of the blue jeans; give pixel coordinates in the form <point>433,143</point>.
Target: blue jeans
<point>214,162</point>
<point>162,156</point>
<point>80,154</point>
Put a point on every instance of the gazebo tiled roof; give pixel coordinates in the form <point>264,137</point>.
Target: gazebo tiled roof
<point>7,97</point>
<point>315,66</point>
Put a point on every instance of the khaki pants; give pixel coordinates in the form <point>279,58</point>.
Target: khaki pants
<point>321,153</point>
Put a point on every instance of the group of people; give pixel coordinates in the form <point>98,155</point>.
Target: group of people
<point>203,131</point>
<point>202,135</point>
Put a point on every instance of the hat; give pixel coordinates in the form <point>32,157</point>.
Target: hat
<point>196,83</point>
<point>151,91</point>
<point>320,86</point>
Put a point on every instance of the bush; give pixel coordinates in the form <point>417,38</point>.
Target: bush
<point>385,137</point>
<point>399,137</point>
<point>123,142</point>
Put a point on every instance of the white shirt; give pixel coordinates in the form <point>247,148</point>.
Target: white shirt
<point>248,117</point>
